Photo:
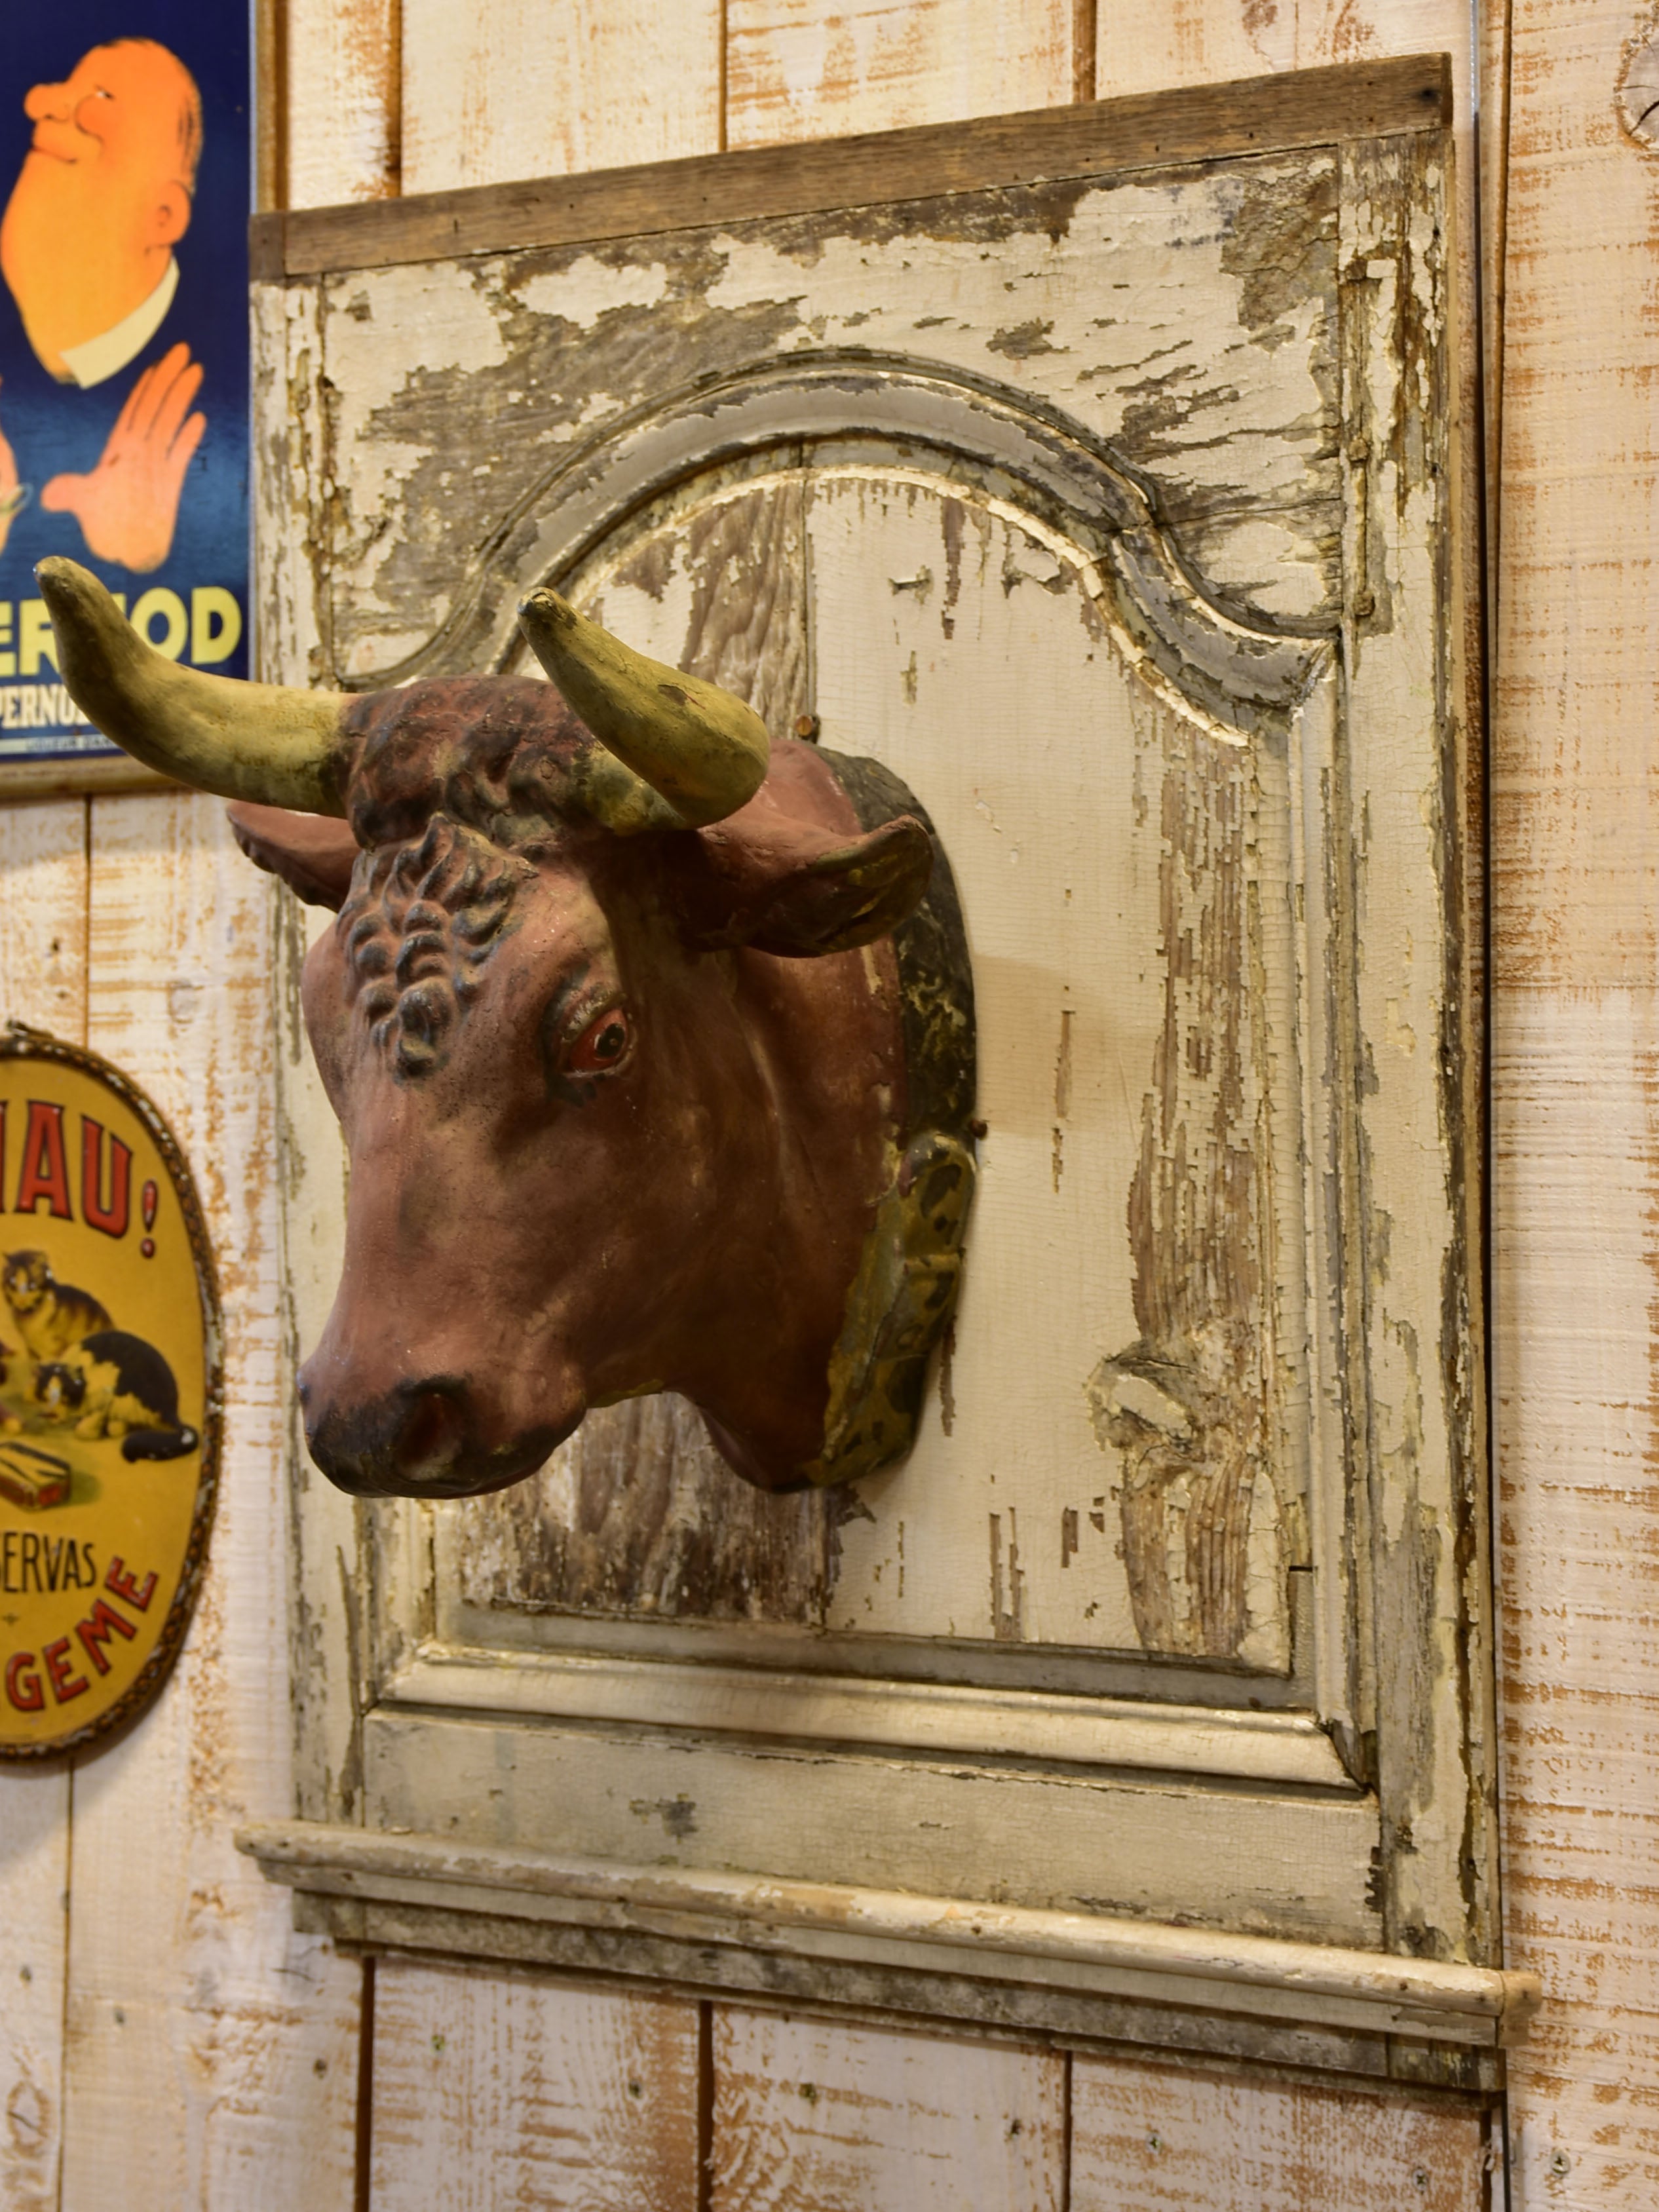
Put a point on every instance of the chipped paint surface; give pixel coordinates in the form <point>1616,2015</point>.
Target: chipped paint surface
<point>1198,1404</point>
<point>1201,342</point>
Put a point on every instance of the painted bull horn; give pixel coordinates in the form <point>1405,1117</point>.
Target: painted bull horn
<point>252,741</point>
<point>701,749</point>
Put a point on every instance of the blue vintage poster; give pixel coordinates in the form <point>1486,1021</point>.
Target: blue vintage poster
<point>125,152</point>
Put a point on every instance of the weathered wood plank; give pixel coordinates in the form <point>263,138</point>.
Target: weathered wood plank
<point>43,981</point>
<point>34,1869</point>
<point>1139,49</point>
<point>1371,99</point>
<point>1576,1111</point>
<point>796,69</point>
<point>1206,41</point>
<point>494,2090</point>
<point>810,2117</point>
<point>1146,2136</point>
<point>183,1970</point>
<point>510,88</point>
<point>43,947</point>
<point>338,100</point>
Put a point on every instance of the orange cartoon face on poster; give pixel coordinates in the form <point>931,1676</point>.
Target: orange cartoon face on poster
<point>109,1397</point>
<point>104,195</point>
<point>124,202</point>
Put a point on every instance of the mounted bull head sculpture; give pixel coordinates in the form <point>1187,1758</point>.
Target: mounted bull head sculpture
<point>652,1042</point>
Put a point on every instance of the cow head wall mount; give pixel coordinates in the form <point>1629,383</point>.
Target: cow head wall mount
<point>651,1041</point>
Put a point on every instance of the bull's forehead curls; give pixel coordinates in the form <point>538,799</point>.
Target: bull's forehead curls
<point>422,920</point>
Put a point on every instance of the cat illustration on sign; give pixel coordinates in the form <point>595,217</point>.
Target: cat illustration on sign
<point>121,1387</point>
<point>50,1316</point>
<point>110,1383</point>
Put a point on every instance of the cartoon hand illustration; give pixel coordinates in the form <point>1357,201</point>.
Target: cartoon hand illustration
<point>128,506</point>
<point>14,497</point>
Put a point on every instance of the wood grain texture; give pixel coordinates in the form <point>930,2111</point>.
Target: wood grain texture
<point>182,1970</point>
<point>499,2091</point>
<point>1144,131</point>
<point>1149,2139</point>
<point>43,981</point>
<point>34,1882</point>
<point>814,2117</point>
<point>509,88</point>
<point>638,1515</point>
<point>1141,49</point>
<point>797,68</point>
<point>339,102</point>
<point>1576,1111</point>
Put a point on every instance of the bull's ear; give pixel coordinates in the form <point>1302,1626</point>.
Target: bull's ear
<point>313,853</point>
<point>801,892</point>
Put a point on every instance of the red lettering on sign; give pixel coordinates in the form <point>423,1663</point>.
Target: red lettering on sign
<point>96,1632</point>
<point>23,1684</point>
<point>111,1218</point>
<point>119,1580</point>
<point>64,1685</point>
<point>44,1172</point>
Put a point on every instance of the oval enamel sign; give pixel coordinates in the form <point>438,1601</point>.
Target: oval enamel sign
<point>109,1397</point>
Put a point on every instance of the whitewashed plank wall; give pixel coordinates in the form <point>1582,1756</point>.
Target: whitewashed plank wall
<point>43,981</point>
<point>163,2034</point>
<point>1575,1021</point>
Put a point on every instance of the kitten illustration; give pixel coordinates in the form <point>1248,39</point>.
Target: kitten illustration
<point>51,1315</point>
<point>118,1385</point>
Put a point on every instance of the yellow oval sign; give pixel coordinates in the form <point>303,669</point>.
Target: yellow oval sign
<point>109,1397</point>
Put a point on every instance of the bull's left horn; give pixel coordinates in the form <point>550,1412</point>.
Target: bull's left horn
<point>258,741</point>
<point>701,749</point>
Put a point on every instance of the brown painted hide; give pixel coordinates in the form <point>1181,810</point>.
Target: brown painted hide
<point>618,1108</point>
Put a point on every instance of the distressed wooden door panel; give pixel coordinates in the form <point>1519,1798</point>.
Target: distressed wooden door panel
<point>1112,513</point>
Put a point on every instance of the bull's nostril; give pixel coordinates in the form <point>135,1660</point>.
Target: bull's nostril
<point>433,1435</point>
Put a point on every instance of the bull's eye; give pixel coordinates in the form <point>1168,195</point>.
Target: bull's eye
<point>603,1045</point>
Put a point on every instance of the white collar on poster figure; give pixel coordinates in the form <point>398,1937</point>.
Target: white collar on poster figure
<point>100,357</point>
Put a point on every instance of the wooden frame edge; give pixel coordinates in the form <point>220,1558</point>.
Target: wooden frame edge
<point>72,777</point>
<point>1252,115</point>
<point>1299,1984</point>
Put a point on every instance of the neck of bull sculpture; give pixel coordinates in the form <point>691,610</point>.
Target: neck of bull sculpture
<point>528,1237</point>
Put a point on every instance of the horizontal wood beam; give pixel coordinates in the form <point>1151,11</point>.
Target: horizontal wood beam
<point>1259,1979</point>
<point>1256,115</point>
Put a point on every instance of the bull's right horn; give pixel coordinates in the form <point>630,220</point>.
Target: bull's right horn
<point>257,741</point>
<point>699,747</point>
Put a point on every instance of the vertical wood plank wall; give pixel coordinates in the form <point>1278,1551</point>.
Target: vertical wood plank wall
<point>166,2039</point>
<point>1575,1031</point>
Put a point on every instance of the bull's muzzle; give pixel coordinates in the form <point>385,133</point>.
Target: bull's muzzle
<point>420,1440</point>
